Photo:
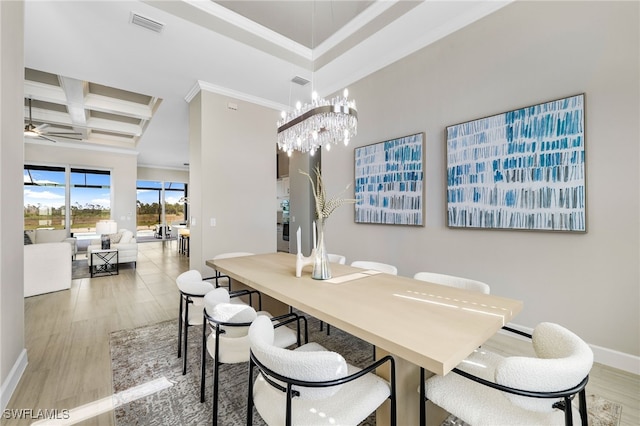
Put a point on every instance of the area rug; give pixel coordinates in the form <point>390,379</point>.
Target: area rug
<point>79,269</point>
<point>147,353</point>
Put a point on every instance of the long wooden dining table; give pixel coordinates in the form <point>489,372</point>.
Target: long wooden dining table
<point>421,324</point>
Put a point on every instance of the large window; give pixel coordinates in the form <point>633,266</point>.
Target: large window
<point>65,198</point>
<point>90,198</point>
<point>44,197</point>
<point>160,204</point>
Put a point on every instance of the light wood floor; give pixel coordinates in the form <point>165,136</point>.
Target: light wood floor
<point>67,338</point>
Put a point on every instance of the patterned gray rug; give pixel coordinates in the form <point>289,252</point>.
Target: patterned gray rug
<point>143,354</point>
<point>79,269</point>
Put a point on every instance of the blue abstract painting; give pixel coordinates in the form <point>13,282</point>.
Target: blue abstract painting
<point>389,181</point>
<point>523,169</point>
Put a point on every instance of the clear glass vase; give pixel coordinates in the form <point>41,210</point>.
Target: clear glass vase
<point>321,268</point>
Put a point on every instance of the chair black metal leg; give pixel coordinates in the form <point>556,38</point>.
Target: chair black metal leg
<point>250,396</point>
<point>328,327</point>
<point>180,330</point>
<point>203,362</point>
<point>582,401</point>
<point>394,395</point>
<point>186,333</point>
<point>423,397</point>
<point>216,370</point>
<point>288,419</point>
<point>306,330</point>
<point>568,412</point>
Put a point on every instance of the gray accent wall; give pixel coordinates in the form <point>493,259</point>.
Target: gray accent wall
<point>523,54</point>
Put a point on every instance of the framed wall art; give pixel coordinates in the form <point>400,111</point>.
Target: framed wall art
<point>389,181</point>
<point>523,169</point>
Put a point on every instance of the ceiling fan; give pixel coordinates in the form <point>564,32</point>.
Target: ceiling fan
<point>34,131</point>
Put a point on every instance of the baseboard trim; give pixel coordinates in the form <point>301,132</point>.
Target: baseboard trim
<point>605,356</point>
<point>616,359</point>
<point>11,383</point>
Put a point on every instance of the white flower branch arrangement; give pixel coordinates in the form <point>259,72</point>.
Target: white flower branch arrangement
<point>324,207</point>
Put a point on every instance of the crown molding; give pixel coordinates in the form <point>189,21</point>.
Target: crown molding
<point>209,87</point>
<point>359,22</point>
<point>334,71</point>
<point>155,166</point>
<point>251,27</point>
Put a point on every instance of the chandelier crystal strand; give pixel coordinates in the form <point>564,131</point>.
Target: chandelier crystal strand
<point>321,122</point>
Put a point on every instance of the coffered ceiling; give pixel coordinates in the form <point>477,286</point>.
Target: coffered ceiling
<point>68,109</point>
<point>117,85</point>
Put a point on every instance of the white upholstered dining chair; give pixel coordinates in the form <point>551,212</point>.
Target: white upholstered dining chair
<point>228,342</point>
<point>311,385</point>
<point>453,281</point>
<point>489,389</point>
<point>450,281</point>
<point>219,277</point>
<point>337,258</point>
<point>192,288</point>
<point>376,266</point>
<point>333,258</point>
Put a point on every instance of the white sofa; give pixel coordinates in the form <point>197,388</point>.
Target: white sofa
<point>124,241</point>
<point>47,268</point>
<point>48,235</point>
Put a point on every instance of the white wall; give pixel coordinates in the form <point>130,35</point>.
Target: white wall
<point>13,355</point>
<point>232,177</point>
<point>123,168</point>
<point>160,174</point>
<point>526,53</point>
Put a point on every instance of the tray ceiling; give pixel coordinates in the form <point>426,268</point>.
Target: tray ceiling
<point>122,86</point>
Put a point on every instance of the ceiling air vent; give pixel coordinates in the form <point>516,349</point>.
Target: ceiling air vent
<point>300,80</point>
<point>148,23</point>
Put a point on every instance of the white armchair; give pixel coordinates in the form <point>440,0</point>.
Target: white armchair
<point>221,277</point>
<point>333,258</point>
<point>488,389</point>
<point>337,258</point>
<point>311,385</point>
<point>376,266</point>
<point>46,235</point>
<point>228,342</point>
<point>47,268</point>
<point>192,288</point>
<point>453,281</point>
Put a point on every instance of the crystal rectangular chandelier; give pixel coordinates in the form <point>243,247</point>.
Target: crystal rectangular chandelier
<point>322,122</point>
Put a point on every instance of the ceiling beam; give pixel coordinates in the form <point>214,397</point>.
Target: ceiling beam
<point>75,91</point>
<point>117,106</point>
<point>44,92</point>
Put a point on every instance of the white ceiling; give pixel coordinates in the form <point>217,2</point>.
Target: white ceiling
<point>108,67</point>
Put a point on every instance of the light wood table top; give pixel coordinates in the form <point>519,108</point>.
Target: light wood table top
<point>429,325</point>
